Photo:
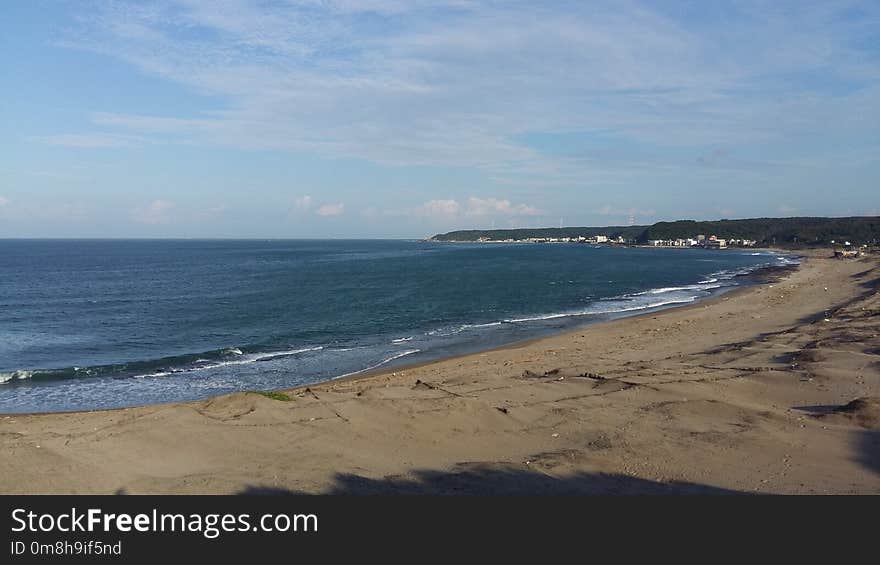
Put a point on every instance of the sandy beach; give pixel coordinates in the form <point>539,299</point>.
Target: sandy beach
<point>770,389</point>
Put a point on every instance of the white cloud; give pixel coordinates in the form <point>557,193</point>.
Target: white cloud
<point>438,209</point>
<point>452,210</point>
<point>3,201</point>
<point>306,203</point>
<point>494,206</point>
<point>155,213</point>
<point>330,209</point>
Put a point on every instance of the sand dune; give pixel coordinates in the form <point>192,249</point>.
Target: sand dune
<point>772,389</point>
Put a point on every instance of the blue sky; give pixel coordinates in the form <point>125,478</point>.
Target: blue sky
<point>403,118</point>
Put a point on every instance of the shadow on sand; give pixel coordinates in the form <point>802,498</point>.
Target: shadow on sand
<point>475,480</point>
<point>869,449</point>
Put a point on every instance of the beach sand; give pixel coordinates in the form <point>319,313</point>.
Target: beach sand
<point>749,392</point>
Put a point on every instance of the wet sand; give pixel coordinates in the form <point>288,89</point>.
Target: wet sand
<point>749,392</point>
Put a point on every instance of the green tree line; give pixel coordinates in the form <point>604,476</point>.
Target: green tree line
<point>805,231</point>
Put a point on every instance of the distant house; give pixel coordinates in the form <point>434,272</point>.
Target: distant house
<point>741,242</point>
<point>715,243</point>
<point>847,253</point>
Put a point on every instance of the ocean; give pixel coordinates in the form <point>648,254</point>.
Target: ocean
<point>98,324</point>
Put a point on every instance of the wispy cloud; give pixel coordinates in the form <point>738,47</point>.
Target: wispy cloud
<point>326,210</point>
<point>592,111</point>
<point>87,141</point>
<point>457,82</point>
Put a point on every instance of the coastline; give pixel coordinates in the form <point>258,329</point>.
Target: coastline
<point>406,366</point>
<point>758,276</point>
<point>654,402</point>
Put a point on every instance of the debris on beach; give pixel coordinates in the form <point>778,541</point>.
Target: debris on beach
<point>420,384</point>
<point>533,375</point>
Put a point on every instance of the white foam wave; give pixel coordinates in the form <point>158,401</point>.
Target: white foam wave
<point>489,325</point>
<point>380,363</point>
<point>156,374</point>
<point>15,376</point>
<point>446,332</point>
<point>727,275</point>
<point>542,317</point>
<point>704,285</point>
<point>701,286</point>
<point>682,300</point>
<point>248,359</point>
<point>401,339</point>
<point>612,310</point>
<point>712,281</point>
<point>289,353</point>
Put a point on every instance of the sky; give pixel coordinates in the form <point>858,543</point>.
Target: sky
<point>405,118</point>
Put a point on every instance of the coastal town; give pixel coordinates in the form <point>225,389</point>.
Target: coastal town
<point>697,241</point>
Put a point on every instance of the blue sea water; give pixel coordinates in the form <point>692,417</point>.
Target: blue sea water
<point>100,324</point>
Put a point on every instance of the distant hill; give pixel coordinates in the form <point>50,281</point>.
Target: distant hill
<point>628,232</point>
<point>775,231</point>
<point>766,231</point>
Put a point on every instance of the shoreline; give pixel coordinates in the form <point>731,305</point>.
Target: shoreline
<point>775,272</point>
<point>769,273</point>
<point>392,370</point>
<point>742,392</point>
<point>379,371</point>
